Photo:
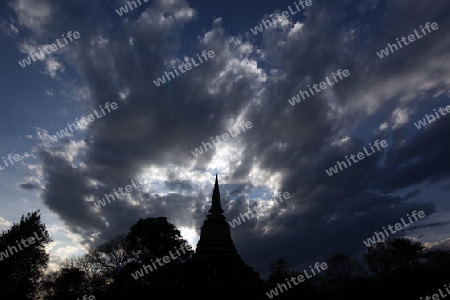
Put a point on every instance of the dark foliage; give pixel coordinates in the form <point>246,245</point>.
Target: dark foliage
<point>24,243</point>
<point>393,269</point>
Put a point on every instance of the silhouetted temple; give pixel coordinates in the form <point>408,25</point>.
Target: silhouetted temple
<point>216,271</point>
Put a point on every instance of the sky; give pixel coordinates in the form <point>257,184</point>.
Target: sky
<point>114,58</point>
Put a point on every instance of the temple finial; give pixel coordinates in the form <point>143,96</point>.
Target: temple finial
<point>216,206</point>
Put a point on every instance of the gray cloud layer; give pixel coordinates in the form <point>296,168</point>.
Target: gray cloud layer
<point>252,78</point>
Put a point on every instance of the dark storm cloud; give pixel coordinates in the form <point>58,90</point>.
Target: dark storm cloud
<point>28,186</point>
<point>425,159</point>
<point>436,224</point>
<point>308,131</point>
<point>160,125</point>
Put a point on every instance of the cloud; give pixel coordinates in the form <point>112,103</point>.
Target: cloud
<point>288,148</point>
<point>28,186</point>
<point>8,28</point>
<point>4,224</point>
<point>33,15</point>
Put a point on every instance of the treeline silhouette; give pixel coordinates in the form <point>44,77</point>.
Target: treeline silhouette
<point>393,269</point>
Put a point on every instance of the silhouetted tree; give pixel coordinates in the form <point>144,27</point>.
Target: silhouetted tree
<point>68,283</point>
<point>105,271</point>
<point>24,258</point>
<point>438,262</point>
<point>110,257</point>
<point>340,265</point>
<point>394,255</point>
<point>148,240</point>
<point>343,278</point>
<point>151,238</point>
<point>401,266</point>
<point>279,270</point>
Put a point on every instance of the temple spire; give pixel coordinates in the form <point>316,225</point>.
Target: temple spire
<point>215,238</point>
<point>216,207</point>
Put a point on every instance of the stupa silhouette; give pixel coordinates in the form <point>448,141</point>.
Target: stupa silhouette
<point>216,270</point>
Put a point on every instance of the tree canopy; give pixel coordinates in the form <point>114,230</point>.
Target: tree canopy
<point>401,266</point>
<point>24,258</point>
